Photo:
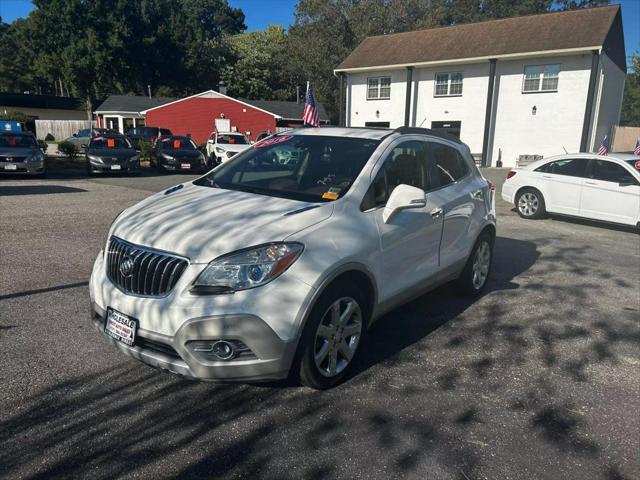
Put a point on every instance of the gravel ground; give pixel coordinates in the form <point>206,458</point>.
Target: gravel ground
<point>539,378</point>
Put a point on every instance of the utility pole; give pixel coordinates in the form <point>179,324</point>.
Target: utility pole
<point>297,93</point>
<point>149,90</point>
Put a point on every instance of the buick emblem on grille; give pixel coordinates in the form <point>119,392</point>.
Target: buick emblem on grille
<point>126,267</point>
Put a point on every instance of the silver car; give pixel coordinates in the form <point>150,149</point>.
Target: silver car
<point>19,153</point>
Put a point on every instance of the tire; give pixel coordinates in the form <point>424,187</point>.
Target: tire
<point>475,276</point>
<point>530,204</point>
<point>322,340</point>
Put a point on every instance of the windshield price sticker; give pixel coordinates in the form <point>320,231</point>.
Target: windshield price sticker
<point>273,141</point>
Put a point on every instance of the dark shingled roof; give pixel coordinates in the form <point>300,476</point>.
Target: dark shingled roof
<point>40,101</point>
<point>132,103</point>
<point>533,33</point>
<point>289,110</point>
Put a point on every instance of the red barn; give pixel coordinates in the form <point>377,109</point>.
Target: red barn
<point>196,115</point>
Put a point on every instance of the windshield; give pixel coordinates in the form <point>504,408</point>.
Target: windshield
<point>17,141</point>
<point>232,140</point>
<point>635,163</point>
<point>143,131</point>
<point>312,168</point>
<point>177,143</point>
<point>109,142</point>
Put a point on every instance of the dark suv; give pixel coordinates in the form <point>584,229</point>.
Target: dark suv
<point>148,134</point>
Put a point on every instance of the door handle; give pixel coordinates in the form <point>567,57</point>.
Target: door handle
<point>590,183</point>
<point>478,195</point>
<point>436,212</point>
<point>547,176</point>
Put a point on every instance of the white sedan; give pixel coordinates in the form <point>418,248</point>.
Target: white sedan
<point>605,188</point>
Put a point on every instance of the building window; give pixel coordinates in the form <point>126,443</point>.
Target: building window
<point>448,84</point>
<point>541,78</point>
<point>378,88</point>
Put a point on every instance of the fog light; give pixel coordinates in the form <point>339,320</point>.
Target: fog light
<point>223,350</point>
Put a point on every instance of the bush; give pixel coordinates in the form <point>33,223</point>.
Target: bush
<point>49,138</point>
<point>42,145</point>
<point>145,149</point>
<point>68,149</point>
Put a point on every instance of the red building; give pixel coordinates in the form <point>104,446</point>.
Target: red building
<point>196,115</point>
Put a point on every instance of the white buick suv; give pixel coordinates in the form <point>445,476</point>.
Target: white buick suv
<point>261,270</point>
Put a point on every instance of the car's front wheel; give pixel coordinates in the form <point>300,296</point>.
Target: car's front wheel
<point>530,204</point>
<point>332,336</point>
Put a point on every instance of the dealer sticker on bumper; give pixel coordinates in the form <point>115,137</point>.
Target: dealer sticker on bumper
<point>185,166</point>
<point>120,326</point>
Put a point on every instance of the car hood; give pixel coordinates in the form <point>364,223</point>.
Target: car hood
<point>229,147</point>
<point>17,152</point>
<point>113,153</point>
<point>202,223</point>
<point>182,153</point>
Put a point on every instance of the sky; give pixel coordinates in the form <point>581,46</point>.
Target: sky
<point>260,13</point>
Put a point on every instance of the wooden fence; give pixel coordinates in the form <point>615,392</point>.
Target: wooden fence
<point>60,129</point>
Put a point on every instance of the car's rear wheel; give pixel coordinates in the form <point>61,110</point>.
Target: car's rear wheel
<point>332,336</point>
<point>473,279</point>
<point>530,204</point>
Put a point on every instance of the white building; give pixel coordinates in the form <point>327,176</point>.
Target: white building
<point>537,85</point>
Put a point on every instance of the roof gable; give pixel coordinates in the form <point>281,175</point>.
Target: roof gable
<point>572,29</point>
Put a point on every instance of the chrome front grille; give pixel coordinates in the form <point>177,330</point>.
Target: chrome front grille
<point>142,271</point>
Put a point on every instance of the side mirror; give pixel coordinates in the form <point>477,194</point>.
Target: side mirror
<point>403,197</point>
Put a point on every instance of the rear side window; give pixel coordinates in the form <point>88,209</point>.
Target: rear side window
<point>610,172</point>
<point>576,167</point>
<point>449,165</point>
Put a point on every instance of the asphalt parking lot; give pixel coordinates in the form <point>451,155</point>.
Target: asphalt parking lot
<point>539,378</point>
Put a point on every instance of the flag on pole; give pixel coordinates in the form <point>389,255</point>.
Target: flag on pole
<point>310,114</point>
<point>604,146</point>
<point>636,151</point>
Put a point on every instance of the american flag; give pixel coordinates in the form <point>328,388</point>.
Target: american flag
<point>636,151</point>
<point>310,114</point>
<point>604,146</point>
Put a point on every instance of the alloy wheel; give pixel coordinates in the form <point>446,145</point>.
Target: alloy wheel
<point>337,336</point>
<point>528,204</point>
<point>481,264</point>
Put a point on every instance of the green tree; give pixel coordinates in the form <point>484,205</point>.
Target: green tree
<point>630,115</point>
<point>257,71</point>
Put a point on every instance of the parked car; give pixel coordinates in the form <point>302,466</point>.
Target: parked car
<point>111,153</point>
<point>82,138</point>
<point>19,153</point>
<point>605,188</point>
<point>257,270</point>
<point>12,126</point>
<point>148,134</point>
<point>223,146</point>
<point>178,153</point>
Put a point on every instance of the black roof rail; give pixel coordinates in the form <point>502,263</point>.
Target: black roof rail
<point>427,131</point>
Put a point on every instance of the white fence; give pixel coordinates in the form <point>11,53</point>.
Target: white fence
<point>60,129</point>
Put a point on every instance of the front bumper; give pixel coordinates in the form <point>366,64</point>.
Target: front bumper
<point>125,166</point>
<point>266,320</point>
<point>270,359</point>
<point>23,168</point>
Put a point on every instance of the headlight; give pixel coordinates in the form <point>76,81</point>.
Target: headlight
<point>93,158</point>
<point>135,158</point>
<point>220,150</point>
<point>248,268</point>
<point>37,157</point>
<point>168,158</point>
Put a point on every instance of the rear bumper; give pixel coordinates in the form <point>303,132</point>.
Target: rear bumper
<point>508,193</point>
<point>271,359</point>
